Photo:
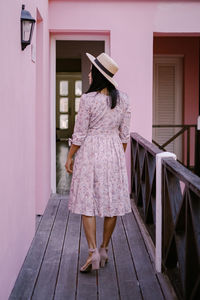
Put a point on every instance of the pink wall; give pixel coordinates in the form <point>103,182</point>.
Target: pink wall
<point>42,115</point>
<point>131,40</point>
<point>134,75</point>
<point>132,25</point>
<point>124,47</point>
<point>189,47</point>
<point>18,141</point>
<point>25,97</point>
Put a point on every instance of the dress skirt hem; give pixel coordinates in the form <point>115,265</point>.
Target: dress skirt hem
<point>98,214</point>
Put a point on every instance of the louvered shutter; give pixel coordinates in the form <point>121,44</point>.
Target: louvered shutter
<point>164,101</point>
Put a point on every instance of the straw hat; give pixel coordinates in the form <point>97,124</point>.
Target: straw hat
<point>106,65</point>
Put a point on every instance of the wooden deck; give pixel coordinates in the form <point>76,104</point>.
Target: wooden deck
<point>59,248</point>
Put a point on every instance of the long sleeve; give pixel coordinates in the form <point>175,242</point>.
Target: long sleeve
<point>82,122</point>
<point>124,128</point>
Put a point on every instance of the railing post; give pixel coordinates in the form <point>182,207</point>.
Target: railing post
<point>197,148</point>
<point>158,256</point>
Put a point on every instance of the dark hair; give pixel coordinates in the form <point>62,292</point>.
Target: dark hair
<point>99,82</point>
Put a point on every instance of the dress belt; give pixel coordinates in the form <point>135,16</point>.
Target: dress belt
<point>108,132</point>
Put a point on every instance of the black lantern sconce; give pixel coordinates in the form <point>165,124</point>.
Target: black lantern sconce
<point>27,26</point>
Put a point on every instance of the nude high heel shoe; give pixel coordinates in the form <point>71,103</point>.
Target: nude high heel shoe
<point>103,256</point>
<point>93,263</point>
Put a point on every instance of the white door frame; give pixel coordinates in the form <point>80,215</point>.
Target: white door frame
<point>54,37</point>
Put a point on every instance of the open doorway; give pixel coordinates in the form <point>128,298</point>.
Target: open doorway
<point>71,80</point>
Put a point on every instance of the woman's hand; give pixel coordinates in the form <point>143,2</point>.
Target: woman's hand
<point>69,165</point>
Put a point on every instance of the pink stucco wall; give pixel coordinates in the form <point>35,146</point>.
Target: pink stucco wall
<point>189,47</point>
<point>19,171</point>
<point>124,47</point>
<point>25,97</point>
<point>42,115</point>
<point>132,26</point>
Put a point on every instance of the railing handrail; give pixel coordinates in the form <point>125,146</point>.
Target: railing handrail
<point>183,174</point>
<point>173,126</point>
<point>143,142</point>
<point>181,132</point>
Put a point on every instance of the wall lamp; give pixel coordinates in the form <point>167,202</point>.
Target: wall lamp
<point>27,26</point>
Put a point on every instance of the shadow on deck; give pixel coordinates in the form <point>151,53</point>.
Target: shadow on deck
<point>51,267</point>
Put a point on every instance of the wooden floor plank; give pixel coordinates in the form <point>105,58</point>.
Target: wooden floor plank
<point>107,281</point>
<point>66,285</point>
<point>144,269</point>
<point>59,249</point>
<point>27,276</point>
<point>87,282</point>
<point>128,283</point>
<point>46,281</point>
<point>38,219</point>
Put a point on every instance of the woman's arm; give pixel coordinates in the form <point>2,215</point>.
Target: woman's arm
<point>72,150</point>
<point>69,162</point>
<point>124,127</point>
<point>80,131</point>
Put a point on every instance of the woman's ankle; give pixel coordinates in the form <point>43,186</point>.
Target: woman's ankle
<point>92,246</point>
<point>104,245</point>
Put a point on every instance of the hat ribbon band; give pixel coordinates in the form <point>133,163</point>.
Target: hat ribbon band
<point>103,68</point>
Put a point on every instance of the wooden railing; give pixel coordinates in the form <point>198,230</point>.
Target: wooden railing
<point>181,227</point>
<point>143,179</point>
<point>183,129</point>
<point>180,214</point>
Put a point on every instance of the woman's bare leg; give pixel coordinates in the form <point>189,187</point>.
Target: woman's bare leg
<point>109,226</point>
<point>89,224</point>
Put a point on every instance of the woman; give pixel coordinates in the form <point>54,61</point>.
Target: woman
<point>99,185</point>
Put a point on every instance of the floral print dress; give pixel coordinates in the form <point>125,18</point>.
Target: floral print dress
<point>99,185</point>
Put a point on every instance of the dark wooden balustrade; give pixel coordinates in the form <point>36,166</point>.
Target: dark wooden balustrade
<point>181,228</point>
<point>180,214</point>
<point>143,179</point>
